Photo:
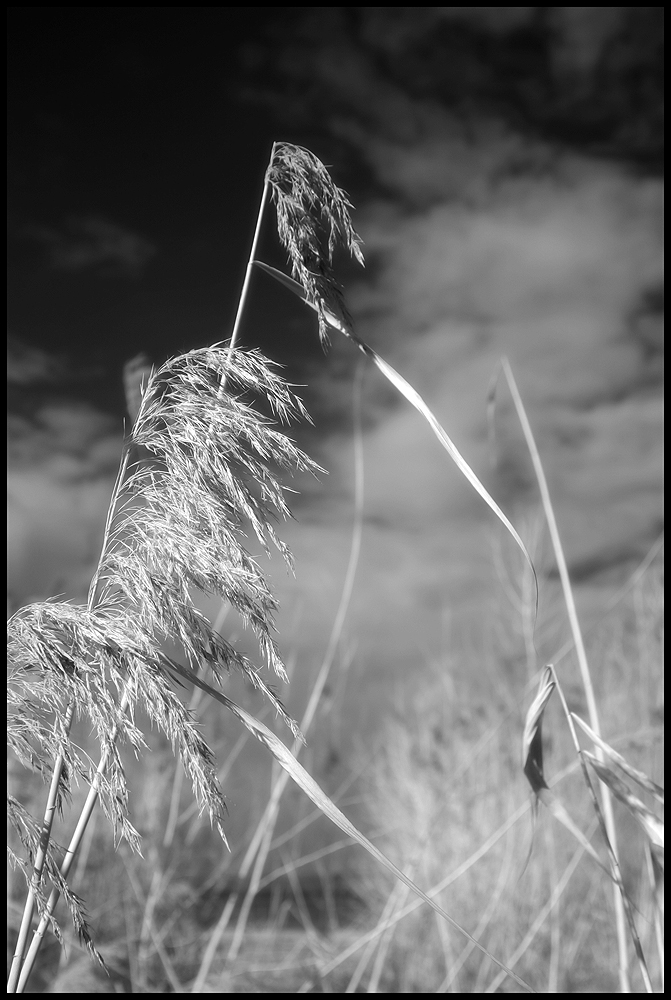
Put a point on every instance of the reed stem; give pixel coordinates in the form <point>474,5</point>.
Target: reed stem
<point>581,654</point>
<point>49,814</point>
<point>252,254</point>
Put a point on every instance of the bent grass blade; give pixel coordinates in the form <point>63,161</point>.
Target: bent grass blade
<point>415,399</point>
<point>314,792</point>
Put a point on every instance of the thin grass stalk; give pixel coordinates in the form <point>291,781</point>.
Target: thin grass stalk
<point>398,892</point>
<point>148,931</point>
<point>563,651</point>
<point>578,940</point>
<point>328,896</point>
<point>305,822</point>
<point>306,859</point>
<point>444,883</point>
<point>557,546</point>
<point>311,932</point>
<point>413,397</point>
<point>79,873</point>
<point>91,604</point>
<point>448,953</point>
<point>16,975</point>
<point>38,868</point>
<point>77,880</point>
<point>272,809</point>
<point>52,797</point>
<point>635,577</point>
<point>346,594</point>
<point>66,864</point>
<point>614,861</point>
<point>620,920</point>
<point>257,872</point>
<point>555,924</point>
<point>385,944</point>
<point>252,254</point>
<point>269,817</point>
<point>254,861</point>
<point>166,962</point>
<point>307,783</point>
<point>67,861</point>
<point>657,904</point>
<point>147,902</point>
<point>213,944</point>
<point>436,889</point>
<point>483,923</point>
<point>541,917</point>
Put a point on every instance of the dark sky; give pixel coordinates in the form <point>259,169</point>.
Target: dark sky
<point>134,177</point>
<point>138,139</point>
<point>505,164</point>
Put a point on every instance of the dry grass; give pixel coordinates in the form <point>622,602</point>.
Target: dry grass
<point>447,790</point>
<point>445,797</point>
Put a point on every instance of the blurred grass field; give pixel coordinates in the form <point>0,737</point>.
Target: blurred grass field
<point>439,788</point>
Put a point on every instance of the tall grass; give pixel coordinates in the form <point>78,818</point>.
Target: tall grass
<point>199,477</point>
<point>446,791</point>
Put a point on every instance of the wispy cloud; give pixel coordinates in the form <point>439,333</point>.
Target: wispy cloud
<point>62,459</point>
<point>27,365</point>
<point>92,243</point>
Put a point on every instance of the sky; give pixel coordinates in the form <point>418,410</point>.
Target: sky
<point>505,166</point>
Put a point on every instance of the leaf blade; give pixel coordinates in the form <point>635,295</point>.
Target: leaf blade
<point>415,400</point>
<point>306,782</point>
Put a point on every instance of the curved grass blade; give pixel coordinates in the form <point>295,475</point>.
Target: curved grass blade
<point>653,825</point>
<point>306,782</point>
<point>415,399</point>
<point>632,772</point>
<point>532,741</point>
<point>532,764</point>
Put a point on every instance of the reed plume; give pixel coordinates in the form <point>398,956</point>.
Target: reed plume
<point>178,525</point>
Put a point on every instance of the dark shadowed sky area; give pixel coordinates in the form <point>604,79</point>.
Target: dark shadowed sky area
<point>505,164</point>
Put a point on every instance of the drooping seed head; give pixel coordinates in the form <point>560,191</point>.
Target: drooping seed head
<point>313,219</point>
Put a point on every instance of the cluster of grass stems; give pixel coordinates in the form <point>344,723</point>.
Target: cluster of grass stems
<point>199,476</point>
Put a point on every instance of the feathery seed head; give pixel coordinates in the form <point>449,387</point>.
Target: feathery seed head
<point>313,218</point>
<point>179,524</point>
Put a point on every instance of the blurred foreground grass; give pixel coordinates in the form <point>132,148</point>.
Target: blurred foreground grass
<point>440,789</point>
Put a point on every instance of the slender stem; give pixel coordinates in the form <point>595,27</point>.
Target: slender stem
<point>245,285</point>
<point>580,653</point>
<point>614,862</point>
<point>47,824</point>
<point>20,969</point>
<point>257,851</point>
<point>73,846</point>
<point>116,493</point>
<point>252,254</point>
